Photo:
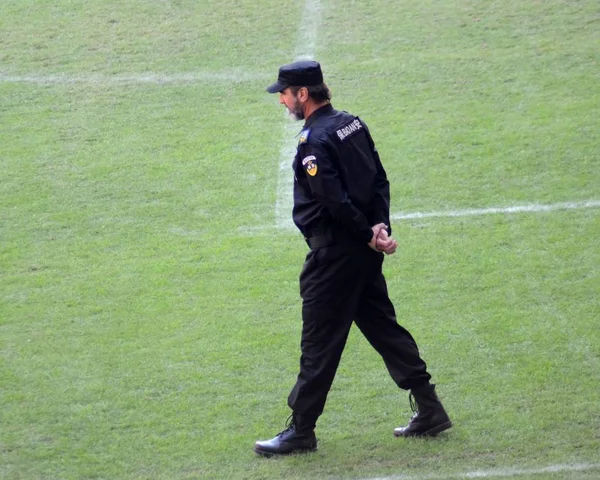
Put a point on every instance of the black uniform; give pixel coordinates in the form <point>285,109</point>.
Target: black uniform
<point>340,191</point>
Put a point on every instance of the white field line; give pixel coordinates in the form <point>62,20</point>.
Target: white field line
<point>285,177</point>
<point>500,473</point>
<point>532,208</point>
<point>306,45</point>
<point>230,76</point>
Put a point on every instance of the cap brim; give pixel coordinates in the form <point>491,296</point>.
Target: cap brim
<point>277,87</point>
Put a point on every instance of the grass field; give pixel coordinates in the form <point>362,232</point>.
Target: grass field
<point>149,307</point>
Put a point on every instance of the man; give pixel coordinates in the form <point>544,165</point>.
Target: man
<point>341,206</point>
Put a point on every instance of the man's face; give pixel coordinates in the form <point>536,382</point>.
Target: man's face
<point>293,103</point>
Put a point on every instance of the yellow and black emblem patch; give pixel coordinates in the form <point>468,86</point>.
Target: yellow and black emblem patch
<point>310,165</point>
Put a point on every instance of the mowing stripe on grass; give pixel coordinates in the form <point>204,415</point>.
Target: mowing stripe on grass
<point>233,76</point>
<point>306,44</point>
<point>499,473</point>
<point>532,208</point>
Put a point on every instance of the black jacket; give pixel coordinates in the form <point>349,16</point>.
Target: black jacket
<point>340,185</point>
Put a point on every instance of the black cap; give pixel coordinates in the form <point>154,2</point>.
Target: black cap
<point>298,74</point>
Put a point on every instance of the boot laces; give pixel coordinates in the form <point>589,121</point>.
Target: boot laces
<point>413,405</point>
<point>289,425</point>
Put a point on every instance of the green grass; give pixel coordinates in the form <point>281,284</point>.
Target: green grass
<point>149,307</point>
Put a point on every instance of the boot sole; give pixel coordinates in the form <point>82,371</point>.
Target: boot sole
<point>267,453</point>
<point>432,432</point>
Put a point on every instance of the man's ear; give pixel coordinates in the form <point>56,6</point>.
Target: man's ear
<point>303,94</point>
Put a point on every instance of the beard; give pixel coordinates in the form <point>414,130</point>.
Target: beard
<point>296,113</point>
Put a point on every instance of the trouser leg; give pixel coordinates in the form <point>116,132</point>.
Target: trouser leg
<point>330,284</point>
<point>376,319</point>
<point>321,353</point>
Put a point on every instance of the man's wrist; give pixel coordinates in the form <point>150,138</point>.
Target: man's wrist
<point>368,235</point>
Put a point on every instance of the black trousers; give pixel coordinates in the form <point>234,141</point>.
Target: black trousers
<point>340,284</point>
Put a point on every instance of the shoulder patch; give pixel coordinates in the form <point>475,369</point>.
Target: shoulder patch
<point>349,129</point>
<point>304,136</point>
<point>310,165</point>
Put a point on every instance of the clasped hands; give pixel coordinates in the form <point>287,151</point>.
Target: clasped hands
<point>381,242</point>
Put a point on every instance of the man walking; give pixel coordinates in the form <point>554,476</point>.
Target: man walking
<point>341,206</point>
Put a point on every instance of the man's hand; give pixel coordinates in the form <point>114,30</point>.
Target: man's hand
<point>380,242</point>
<point>386,244</point>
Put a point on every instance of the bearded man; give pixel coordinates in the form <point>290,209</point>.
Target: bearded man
<point>341,207</point>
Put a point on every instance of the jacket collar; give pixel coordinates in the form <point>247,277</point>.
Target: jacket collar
<point>319,112</point>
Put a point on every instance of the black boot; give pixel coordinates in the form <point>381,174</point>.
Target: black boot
<point>429,419</point>
<point>297,437</point>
